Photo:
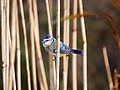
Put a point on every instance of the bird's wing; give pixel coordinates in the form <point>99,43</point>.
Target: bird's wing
<point>64,48</point>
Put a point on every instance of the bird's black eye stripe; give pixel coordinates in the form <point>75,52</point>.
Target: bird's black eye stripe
<point>45,41</point>
<point>48,40</point>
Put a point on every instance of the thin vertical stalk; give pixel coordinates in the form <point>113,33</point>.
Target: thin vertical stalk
<point>3,42</point>
<point>49,18</point>
<point>84,46</point>
<point>66,40</point>
<point>51,62</point>
<point>54,72</point>
<point>18,53</point>
<point>14,80</point>
<point>31,25</point>
<point>25,43</point>
<point>52,66</point>
<point>13,44</point>
<point>41,70</point>
<point>8,42</point>
<point>18,49</point>
<point>58,45</point>
<point>33,53</point>
<point>33,60</point>
<point>107,68</point>
<point>74,45</point>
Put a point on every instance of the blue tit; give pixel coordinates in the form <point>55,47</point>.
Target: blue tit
<point>50,44</point>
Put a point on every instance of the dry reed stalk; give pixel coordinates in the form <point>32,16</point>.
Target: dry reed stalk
<point>52,67</point>
<point>51,62</point>
<point>32,23</point>
<point>41,70</point>
<point>18,53</point>
<point>3,42</point>
<point>33,52</point>
<point>14,80</point>
<point>33,60</point>
<point>18,49</point>
<point>58,46</point>
<point>54,72</point>
<point>49,18</point>
<point>84,46</point>
<point>13,45</point>
<point>74,45</point>
<point>8,42</point>
<point>25,43</point>
<point>107,68</point>
<point>66,40</point>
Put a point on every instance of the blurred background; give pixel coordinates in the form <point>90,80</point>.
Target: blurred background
<point>99,34</point>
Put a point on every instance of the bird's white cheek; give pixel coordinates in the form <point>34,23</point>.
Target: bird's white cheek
<point>47,43</point>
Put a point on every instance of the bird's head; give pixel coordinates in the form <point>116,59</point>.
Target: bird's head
<point>47,40</point>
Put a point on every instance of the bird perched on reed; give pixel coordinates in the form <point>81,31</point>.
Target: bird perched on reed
<point>50,44</point>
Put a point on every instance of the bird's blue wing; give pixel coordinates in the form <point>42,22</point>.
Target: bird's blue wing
<point>64,48</point>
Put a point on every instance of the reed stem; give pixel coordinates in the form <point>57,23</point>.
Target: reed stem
<point>58,45</point>
<point>14,80</point>
<point>33,60</point>
<point>51,61</point>
<point>84,46</point>
<point>49,18</point>
<point>8,42</point>
<point>66,40</point>
<point>25,43</point>
<point>107,68</point>
<point>18,53</point>
<point>3,42</point>
<point>41,70</point>
<point>74,46</point>
<point>13,44</point>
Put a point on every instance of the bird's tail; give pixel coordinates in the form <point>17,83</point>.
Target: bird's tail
<point>77,51</point>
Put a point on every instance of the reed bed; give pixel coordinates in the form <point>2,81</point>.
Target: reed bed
<point>36,76</point>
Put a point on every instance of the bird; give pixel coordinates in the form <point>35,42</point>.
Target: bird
<point>50,44</point>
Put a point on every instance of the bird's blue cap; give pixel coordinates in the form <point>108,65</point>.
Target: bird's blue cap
<point>47,36</point>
